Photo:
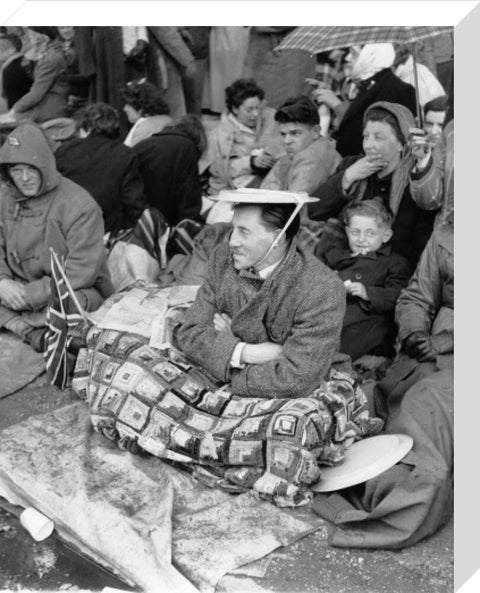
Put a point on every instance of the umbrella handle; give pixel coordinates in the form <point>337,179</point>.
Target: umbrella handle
<point>417,88</point>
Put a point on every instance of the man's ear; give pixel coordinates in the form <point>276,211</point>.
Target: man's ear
<point>316,131</point>
<point>387,235</point>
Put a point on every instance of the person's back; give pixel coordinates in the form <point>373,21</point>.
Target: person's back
<point>104,166</point>
<point>168,164</point>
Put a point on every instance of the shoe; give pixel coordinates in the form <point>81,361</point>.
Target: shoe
<point>36,339</point>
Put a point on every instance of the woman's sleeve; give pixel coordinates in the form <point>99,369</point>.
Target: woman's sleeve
<point>419,303</point>
<point>426,187</point>
<point>46,73</point>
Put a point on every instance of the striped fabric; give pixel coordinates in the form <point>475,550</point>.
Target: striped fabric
<point>62,317</point>
<point>319,39</point>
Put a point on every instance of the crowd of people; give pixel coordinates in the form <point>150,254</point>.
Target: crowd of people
<point>101,123</point>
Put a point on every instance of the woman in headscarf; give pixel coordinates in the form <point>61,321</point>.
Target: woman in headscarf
<point>375,81</point>
<point>382,171</point>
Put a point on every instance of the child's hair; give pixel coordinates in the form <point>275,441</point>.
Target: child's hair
<point>370,208</point>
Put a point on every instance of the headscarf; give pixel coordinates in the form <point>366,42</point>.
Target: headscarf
<point>401,174</point>
<point>373,58</point>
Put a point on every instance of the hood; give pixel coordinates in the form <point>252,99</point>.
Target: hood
<point>373,58</point>
<point>28,144</point>
<point>402,114</point>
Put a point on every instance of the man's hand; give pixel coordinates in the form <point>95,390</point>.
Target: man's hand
<point>261,353</point>
<point>327,97</point>
<point>264,160</point>
<point>222,323</point>
<point>357,289</point>
<point>12,294</point>
<point>417,345</point>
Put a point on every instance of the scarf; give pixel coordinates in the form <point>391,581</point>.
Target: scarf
<point>373,58</point>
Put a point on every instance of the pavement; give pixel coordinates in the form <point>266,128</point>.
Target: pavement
<point>309,566</point>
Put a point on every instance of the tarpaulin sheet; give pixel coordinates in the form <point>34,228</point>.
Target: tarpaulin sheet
<point>148,522</point>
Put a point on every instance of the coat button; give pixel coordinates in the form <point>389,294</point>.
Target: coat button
<point>358,276</point>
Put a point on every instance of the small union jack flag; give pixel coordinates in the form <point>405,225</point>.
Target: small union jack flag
<point>64,316</point>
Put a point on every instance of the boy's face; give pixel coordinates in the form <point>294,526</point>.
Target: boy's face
<point>365,234</point>
<point>297,137</point>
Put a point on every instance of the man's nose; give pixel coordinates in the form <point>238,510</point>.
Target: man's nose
<point>233,241</point>
<point>25,175</point>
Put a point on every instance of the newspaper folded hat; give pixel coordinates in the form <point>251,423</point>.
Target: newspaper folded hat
<point>250,195</point>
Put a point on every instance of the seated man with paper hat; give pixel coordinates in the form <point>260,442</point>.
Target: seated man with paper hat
<point>269,315</point>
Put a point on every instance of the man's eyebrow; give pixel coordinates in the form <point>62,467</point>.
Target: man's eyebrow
<point>239,227</point>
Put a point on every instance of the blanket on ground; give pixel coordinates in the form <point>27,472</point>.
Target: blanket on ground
<point>152,524</point>
<point>154,399</point>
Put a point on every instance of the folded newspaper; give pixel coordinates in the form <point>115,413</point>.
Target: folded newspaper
<point>145,311</point>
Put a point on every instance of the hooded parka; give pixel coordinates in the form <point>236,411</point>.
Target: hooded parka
<point>62,216</point>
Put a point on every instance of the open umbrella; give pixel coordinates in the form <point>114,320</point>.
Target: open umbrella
<point>319,39</point>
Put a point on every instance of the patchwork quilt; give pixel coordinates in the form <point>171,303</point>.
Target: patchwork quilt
<point>154,400</point>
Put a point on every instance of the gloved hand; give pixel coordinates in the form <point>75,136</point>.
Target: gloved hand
<point>417,345</point>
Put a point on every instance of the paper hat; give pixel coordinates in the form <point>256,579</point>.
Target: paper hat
<point>250,195</point>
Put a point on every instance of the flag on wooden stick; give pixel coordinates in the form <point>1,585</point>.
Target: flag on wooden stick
<point>65,319</point>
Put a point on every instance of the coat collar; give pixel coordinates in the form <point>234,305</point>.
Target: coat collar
<point>337,254</point>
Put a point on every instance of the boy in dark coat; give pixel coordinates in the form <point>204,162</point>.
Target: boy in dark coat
<point>373,276</point>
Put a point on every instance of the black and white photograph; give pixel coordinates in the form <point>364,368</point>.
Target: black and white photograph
<point>295,184</point>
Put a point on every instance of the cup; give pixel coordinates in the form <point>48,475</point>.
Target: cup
<point>37,525</point>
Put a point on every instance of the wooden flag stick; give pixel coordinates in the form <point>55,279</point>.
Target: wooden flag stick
<point>67,284</point>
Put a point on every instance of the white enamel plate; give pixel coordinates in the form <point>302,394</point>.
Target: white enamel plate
<point>364,460</point>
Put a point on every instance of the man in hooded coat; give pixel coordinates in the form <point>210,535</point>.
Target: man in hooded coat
<point>39,210</point>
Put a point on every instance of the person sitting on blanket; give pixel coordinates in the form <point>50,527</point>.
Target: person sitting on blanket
<point>373,276</point>
<point>40,210</point>
<point>268,317</point>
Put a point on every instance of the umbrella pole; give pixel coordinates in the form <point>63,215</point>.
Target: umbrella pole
<point>417,92</point>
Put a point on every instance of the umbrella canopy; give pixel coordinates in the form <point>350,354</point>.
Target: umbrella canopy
<point>318,39</point>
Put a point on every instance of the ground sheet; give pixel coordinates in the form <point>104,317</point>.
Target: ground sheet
<point>152,524</point>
